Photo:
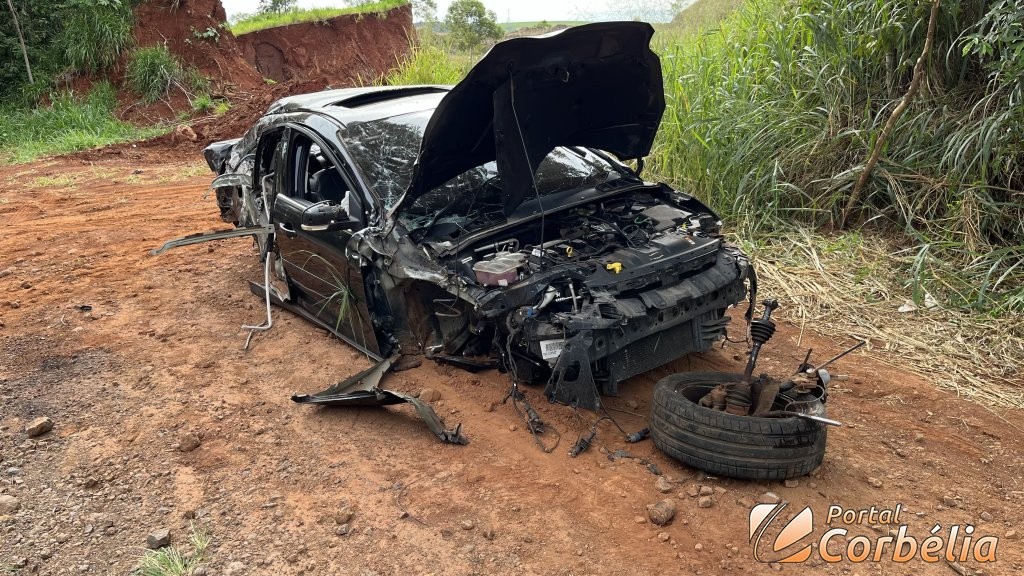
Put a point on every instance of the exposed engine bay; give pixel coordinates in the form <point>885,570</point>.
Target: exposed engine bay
<point>559,299</point>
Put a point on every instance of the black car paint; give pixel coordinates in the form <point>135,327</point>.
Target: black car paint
<point>414,298</point>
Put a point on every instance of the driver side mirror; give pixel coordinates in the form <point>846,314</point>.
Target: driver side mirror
<point>327,217</point>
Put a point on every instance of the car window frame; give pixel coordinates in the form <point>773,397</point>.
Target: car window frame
<point>338,163</point>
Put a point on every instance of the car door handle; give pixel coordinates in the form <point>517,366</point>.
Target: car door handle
<point>287,229</point>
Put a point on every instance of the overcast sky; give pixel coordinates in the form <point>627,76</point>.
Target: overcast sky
<point>511,10</point>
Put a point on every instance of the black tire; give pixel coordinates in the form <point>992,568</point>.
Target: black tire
<point>725,444</point>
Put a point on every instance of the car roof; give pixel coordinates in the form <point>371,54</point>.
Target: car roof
<point>355,105</point>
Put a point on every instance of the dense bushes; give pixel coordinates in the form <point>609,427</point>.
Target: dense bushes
<point>773,114</point>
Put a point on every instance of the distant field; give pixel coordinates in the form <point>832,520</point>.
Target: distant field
<point>514,26</point>
<point>261,21</point>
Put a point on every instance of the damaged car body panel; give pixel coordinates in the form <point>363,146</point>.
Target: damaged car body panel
<point>494,223</point>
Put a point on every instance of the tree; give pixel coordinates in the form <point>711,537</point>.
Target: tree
<point>275,6</point>
<point>21,40</point>
<point>424,11</point>
<point>470,23</point>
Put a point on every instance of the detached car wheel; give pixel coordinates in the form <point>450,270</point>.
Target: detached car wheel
<point>721,443</point>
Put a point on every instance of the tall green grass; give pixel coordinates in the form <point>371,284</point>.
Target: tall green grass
<point>68,124</point>
<point>251,23</point>
<point>95,33</point>
<point>771,116</point>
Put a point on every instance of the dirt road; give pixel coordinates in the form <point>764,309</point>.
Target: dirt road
<point>134,356</point>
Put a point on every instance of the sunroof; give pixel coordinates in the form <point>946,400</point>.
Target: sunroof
<point>376,96</point>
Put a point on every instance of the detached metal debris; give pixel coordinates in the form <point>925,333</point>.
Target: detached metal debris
<point>364,389</point>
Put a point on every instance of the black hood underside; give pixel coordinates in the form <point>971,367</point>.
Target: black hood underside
<point>597,86</point>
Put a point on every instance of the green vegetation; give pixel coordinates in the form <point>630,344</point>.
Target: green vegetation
<point>61,37</point>
<point>516,26</point>
<point>173,561</point>
<point>153,71</point>
<point>253,22</point>
<point>469,24</point>
<point>96,32</point>
<point>772,115</point>
<point>66,125</point>
<point>430,64</point>
<point>699,15</point>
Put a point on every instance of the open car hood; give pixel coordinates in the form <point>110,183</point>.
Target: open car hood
<point>597,85</point>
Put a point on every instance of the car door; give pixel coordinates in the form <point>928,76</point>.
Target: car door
<point>325,283</point>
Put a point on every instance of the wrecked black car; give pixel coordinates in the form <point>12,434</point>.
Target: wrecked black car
<point>503,222</point>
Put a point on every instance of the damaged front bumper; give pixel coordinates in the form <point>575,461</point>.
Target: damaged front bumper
<point>591,350</point>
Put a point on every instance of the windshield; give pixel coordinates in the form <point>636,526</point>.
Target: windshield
<point>384,150</point>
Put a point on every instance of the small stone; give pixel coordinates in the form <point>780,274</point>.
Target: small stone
<point>26,284</point>
<point>776,566</point>
<point>5,272</point>
<point>769,498</point>
<point>14,471</point>
<point>110,531</point>
<point>9,504</point>
<point>791,483</point>
<point>39,426</point>
<point>46,554</point>
<point>513,428</point>
<point>447,533</point>
<point>745,502</point>
<point>344,515</point>
<point>663,536</point>
<point>343,530</point>
<point>950,501</point>
<point>705,491</point>
<point>233,568</point>
<point>1011,534</point>
<point>986,517</point>
<point>692,491</point>
<point>83,568</point>
<point>632,404</point>
<point>698,546</point>
<point>663,485</point>
<point>874,482</point>
<point>158,539</point>
<point>429,395</point>
<point>919,438</point>
<point>639,520</point>
<point>62,538</point>
<point>662,512</point>
<point>706,502</point>
<point>489,534</point>
<point>467,524</point>
<point>189,442</point>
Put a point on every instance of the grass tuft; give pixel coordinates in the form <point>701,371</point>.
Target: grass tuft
<point>96,34</point>
<point>153,71</point>
<point>173,561</point>
<point>254,22</point>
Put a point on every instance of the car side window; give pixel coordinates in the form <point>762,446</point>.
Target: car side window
<point>314,177</point>
<point>268,156</point>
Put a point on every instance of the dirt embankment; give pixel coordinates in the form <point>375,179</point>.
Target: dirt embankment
<point>344,49</point>
<point>195,33</point>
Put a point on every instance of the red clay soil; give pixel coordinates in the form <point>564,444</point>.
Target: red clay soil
<point>343,50</point>
<point>182,29</point>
